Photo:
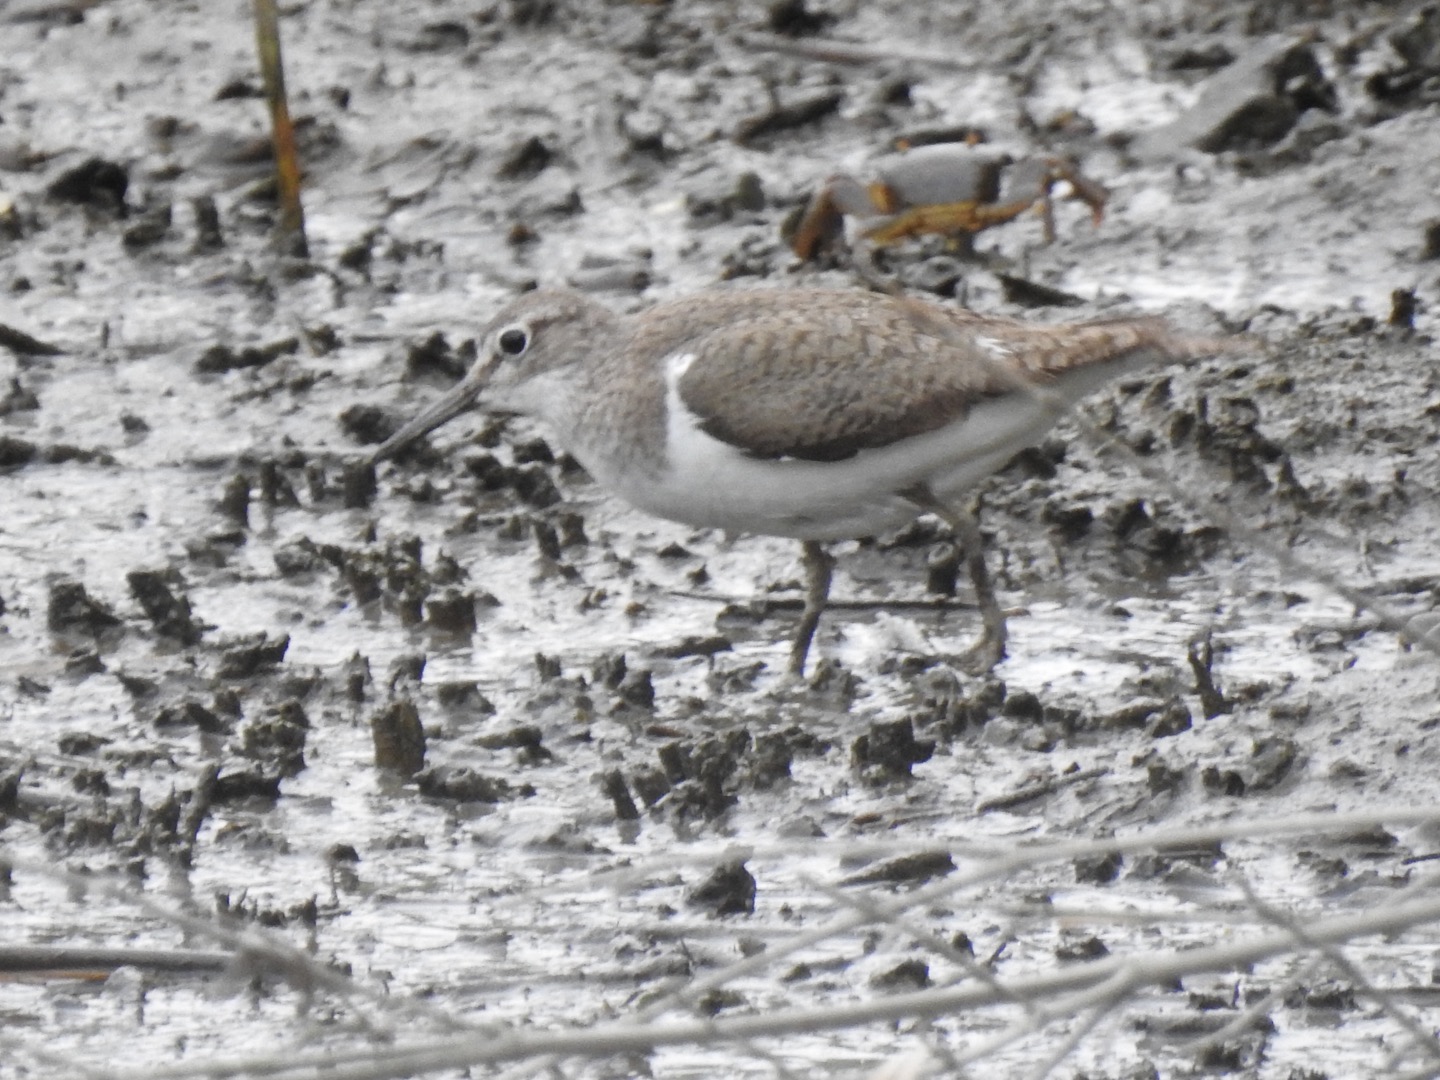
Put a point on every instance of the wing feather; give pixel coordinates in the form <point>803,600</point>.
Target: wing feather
<point>822,375</point>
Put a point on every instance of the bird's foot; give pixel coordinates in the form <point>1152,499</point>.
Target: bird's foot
<point>985,655</point>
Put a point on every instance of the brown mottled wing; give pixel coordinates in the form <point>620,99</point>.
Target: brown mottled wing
<point>830,374</point>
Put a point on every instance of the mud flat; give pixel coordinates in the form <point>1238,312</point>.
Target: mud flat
<point>596,788</point>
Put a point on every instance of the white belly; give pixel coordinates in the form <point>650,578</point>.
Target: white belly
<point>711,484</point>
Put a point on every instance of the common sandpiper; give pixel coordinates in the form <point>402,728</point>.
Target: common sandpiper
<point>817,414</point>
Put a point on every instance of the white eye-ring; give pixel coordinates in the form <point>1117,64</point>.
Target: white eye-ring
<point>513,340</point>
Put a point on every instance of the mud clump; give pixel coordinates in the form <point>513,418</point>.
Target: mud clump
<point>889,750</point>
<point>452,612</point>
<point>618,792</point>
<point>163,606</point>
<point>399,738</point>
<point>219,359</point>
<point>94,183</point>
<point>435,356</point>
<point>16,452</point>
<point>358,485</point>
<point>462,784</point>
<point>191,713</point>
<point>368,425</point>
<point>247,657</point>
<point>277,740</point>
<point>235,500</point>
<point>186,418</point>
<point>729,890</point>
<point>72,609</point>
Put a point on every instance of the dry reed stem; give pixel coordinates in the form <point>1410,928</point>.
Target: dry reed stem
<point>1100,985</point>
<point>290,230</point>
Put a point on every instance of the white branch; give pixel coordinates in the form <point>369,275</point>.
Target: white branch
<point>1123,974</point>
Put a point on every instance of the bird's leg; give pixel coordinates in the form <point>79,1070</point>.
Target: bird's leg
<point>990,649</point>
<point>818,565</point>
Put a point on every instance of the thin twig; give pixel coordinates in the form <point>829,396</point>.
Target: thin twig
<point>33,958</point>
<point>264,951</point>
<point>1252,1012</point>
<point>1115,976</point>
<point>1423,1038</point>
<point>1102,997</point>
<point>1039,788</point>
<point>849,52</point>
<point>936,944</point>
<point>1025,857</point>
<point>1087,984</point>
<point>1066,1048</point>
<point>766,604</point>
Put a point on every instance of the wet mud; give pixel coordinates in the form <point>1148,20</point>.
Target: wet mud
<point>417,718</point>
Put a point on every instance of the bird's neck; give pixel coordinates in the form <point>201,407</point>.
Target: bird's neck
<point>610,415</point>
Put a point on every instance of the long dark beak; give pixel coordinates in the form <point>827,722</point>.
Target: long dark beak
<point>456,401</point>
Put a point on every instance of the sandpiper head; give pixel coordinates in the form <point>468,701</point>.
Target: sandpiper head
<point>529,340</point>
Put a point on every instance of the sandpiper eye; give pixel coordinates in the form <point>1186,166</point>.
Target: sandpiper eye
<point>513,341</point>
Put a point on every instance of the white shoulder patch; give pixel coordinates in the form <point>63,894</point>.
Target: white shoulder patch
<point>688,446</point>
<point>676,365</point>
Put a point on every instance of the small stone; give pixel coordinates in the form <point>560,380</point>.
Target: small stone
<point>527,159</point>
<point>729,890</point>
<point>911,974</point>
<point>906,870</point>
<point>1099,869</point>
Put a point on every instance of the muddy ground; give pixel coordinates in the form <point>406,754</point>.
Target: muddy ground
<point>208,609</point>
